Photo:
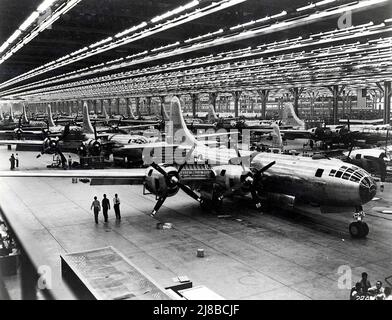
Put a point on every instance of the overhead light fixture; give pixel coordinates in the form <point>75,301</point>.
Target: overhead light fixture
<point>42,25</point>
<point>29,21</point>
<point>45,5</point>
<point>283,13</point>
<point>127,31</point>
<point>14,36</point>
<point>196,14</point>
<point>175,11</point>
<point>97,44</point>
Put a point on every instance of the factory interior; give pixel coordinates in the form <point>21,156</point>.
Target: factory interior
<point>195,150</point>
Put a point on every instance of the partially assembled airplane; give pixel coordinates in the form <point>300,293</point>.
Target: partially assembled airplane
<point>282,179</point>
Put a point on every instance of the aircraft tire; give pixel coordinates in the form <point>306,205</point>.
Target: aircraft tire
<point>356,230</point>
<point>365,228</point>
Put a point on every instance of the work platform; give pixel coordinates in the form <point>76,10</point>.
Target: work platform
<point>106,274</point>
<point>248,255</point>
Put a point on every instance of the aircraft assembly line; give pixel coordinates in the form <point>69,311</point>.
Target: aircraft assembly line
<point>231,149</point>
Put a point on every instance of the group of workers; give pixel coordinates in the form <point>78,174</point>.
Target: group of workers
<point>96,206</point>
<point>363,290</point>
<point>14,161</point>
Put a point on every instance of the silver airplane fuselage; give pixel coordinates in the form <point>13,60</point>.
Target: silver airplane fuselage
<point>323,182</point>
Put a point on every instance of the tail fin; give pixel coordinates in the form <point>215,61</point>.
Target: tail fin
<point>24,115</point>
<point>164,113</point>
<point>50,116</point>
<point>87,126</point>
<point>179,129</point>
<point>289,117</point>
<point>104,113</point>
<point>130,112</point>
<point>11,117</point>
<point>276,136</point>
<point>212,117</point>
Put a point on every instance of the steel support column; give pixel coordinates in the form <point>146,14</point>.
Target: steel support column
<point>387,102</point>
<point>236,96</point>
<point>194,97</point>
<point>137,100</point>
<point>263,93</point>
<point>212,97</point>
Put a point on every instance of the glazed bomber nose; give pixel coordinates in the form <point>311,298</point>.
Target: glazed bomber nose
<point>367,189</point>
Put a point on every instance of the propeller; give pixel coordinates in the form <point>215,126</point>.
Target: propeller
<point>51,144</point>
<point>251,179</point>
<point>19,131</point>
<point>172,181</point>
<point>46,131</point>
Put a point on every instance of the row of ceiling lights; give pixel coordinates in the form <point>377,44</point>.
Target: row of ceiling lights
<point>370,59</point>
<point>115,42</point>
<point>34,20</point>
<point>356,31</point>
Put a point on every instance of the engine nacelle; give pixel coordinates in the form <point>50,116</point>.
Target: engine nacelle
<point>157,184</point>
<point>232,179</point>
<point>93,147</point>
<point>50,145</point>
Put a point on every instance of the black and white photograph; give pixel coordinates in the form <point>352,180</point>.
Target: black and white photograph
<point>198,154</point>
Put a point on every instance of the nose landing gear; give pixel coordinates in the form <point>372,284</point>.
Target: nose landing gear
<point>359,229</point>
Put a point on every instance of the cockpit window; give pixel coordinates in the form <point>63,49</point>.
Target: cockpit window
<point>319,172</point>
<point>346,175</point>
<point>354,178</point>
<point>332,173</point>
<point>339,174</point>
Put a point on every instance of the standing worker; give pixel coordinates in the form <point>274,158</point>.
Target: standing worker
<point>97,207</point>
<point>17,160</point>
<point>12,161</point>
<point>69,161</point>
<point>116,206</point>
<point>105,207</point>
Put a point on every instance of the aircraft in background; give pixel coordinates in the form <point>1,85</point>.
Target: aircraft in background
<point>286,180</point>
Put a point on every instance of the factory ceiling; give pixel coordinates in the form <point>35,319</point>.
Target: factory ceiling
<point>65,49</point>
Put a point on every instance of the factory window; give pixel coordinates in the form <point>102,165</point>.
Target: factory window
<point>332,173</point>
<point>319,172</point>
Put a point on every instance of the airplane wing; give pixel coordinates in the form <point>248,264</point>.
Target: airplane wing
<point>22,142</point>
<point>136,127</point>
<point>216,134</point>
<point>289,134</point>
<point>146,145</point>
<point>24,132</point>
<point>98,177</point>
<point>296,134</point>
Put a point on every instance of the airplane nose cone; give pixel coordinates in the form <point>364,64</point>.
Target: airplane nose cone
<point>367,189</point>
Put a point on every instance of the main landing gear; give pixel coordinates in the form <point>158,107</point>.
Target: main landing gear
<point>359,229</point>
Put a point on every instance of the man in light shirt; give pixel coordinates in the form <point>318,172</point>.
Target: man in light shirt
<point>97,207</point>
<point>116,206</point>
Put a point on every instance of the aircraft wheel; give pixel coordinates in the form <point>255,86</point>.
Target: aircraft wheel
<point>365,229</point>
<point>205,205</point>
<point>358,229</point>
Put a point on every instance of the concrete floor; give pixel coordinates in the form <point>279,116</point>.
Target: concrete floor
<point>248,255</point>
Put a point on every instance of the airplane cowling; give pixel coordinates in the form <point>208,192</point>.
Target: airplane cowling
<point>232,178</point>
<point>50,145</point>
<point>92,147</point>
<point>156,183</point>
